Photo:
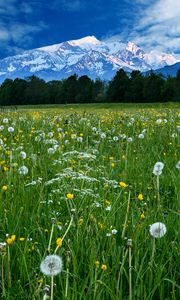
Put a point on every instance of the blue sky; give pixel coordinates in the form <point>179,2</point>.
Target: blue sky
<point>28,24</point>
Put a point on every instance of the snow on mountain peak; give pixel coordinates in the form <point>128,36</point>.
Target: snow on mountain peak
<point>131,47</point>
<point>86,40</point>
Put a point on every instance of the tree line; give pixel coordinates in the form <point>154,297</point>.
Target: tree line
<point>134,88</point>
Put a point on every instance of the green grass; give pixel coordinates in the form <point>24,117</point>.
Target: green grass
<point>90,168</point>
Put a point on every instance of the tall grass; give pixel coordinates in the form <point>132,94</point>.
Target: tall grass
<point>73,192</point>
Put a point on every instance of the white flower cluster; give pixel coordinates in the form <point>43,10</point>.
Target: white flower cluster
<point>158,167</point>
<point>157,230</point>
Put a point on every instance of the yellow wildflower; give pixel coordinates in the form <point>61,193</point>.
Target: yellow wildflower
<point>97,263</point>
<point>104,267</point>
<point>80,222</point>
<point>59,242</point>
<point>123,184</point>
<point>69,196</point>
<point>22,239</point>
<point>140,197</point>
<point>142,216</point>
<point>4,188</point>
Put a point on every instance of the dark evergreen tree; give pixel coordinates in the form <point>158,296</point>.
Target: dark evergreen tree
<point>85,90</point>
<point>118,87</point>
<point>7,92</point>
<point>153,87</point>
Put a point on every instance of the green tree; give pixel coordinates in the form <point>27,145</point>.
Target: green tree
<point>118,87</point>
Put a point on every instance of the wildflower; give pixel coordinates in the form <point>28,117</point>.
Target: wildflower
<point>157,230</point>
<point>59,242</point>
<point>22,239</point>
<point>10,129</point>
<point>69,196</point>
<point>115,138</point>
<point>79,139</point>
<point>97,263</point>
<point>5,120</point>
<point>51,265</point>
<point>130,139</point>
<point>104,267</point>
<point>22,154</point>
<point>141,136</point>
<point>81,221</point>
<point>140,197</point>
<point>158,167</point>
<point>142,216</point>
<point>114,231</point>
<point>108,208</point>
<point>51,151</point>
<point>4,188</point>
<point>23,170</point>
<point>103,135</point>
<point>10,240</point>
<point>178,165</point>
<point>123,184</point>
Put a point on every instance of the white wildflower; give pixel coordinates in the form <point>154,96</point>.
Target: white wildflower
<point>178,165</point>
<point>114,231</point>
<point>108,208</point>
<point>10,129</point>
<point>158,167</point>
<point>5,121</point>
<point>130,139</point>
<point>79,139</point>
<point>115,138</point>
<point>22,154</point>
<point>23,170</point>
<point>103,135</point>
<point>51,265</point>
<point>50,134</point>
<point>141,136</point>
<point>1,128</point>
<point>157,230</point>
<point>51,151</point>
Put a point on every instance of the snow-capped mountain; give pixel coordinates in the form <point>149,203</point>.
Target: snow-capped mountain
<point>86,56</point>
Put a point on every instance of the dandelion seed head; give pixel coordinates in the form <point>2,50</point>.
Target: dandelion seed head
<point>23,170</point>
<point>51,265</point>
<point>157,230</point>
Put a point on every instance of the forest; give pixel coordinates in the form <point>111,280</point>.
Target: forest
<point>126,88</point>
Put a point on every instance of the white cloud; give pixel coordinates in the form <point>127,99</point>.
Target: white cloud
<point>159,26</point>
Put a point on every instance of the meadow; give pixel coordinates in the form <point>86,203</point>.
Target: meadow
<point>80,188</point>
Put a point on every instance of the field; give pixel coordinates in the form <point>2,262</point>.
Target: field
<point>81,183</point>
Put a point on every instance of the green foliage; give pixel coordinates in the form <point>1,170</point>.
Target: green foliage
<point>132,88</point>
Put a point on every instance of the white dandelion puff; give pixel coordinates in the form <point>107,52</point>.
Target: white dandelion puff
<point>157,230</point>
<point>5,121</point>
<point>141,136</point>
<point>158,167</point>
<point>10,129</point>
<point>51,265</point>
<point>22,154</point>
<point>23,170</point>
<point>178,165</point>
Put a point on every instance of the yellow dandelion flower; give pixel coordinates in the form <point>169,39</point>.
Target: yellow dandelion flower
<point>69,196</point>
<point>112,165</point>
<point>142,216</point>
<point>104,267</point>
<point>140,197</point>
<point>59,242</point>
<point>81,221</point>
<point>4,188</point>
<point>97,263</point>
<point>123,184</point>
<point>22,239</point>
<point>13,237</point>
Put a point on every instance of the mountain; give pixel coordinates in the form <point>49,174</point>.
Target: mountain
<point>84,56</point>
<point>169,70</point>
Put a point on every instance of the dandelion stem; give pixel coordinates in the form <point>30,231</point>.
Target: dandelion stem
<point>50,239</point>
<point>9,268</point>
<point>130,269</point>
<point>158,194</point>
<point>2,277</point>
<point>126,218</point>
<point>120,270</point>
<point>52,287</point>
<point>153,251</point>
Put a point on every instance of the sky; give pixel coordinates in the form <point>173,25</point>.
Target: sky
<point>29,24</point>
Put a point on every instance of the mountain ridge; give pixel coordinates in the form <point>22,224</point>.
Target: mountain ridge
<point>85,56</point>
